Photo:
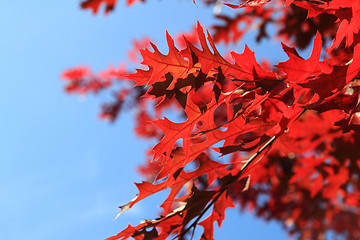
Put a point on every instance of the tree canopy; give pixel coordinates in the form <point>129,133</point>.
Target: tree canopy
<point>282,140</point>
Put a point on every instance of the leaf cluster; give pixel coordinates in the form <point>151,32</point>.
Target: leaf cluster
<point>287,133</point>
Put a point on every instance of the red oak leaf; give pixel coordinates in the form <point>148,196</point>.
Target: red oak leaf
<point>299,70</point>
<point>160,64</point>
<point>210,60</point>
<point>94,5</point>
<point>249,3</point>
<point>177,180</point>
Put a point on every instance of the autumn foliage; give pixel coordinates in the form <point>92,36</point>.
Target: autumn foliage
<point>281,140</point>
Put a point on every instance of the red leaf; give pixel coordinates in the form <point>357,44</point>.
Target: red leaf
<point>94,5</point>
<point>160,64</point>
<point>299,70</point>
<point>210,60</point>
<point>249,3</point>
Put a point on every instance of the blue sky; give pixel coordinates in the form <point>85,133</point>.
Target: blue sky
<point>63,172</point>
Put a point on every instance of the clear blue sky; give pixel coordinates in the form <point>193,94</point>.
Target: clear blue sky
<point>63,172</point>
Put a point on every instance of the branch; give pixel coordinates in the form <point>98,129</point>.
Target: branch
<point>226,187</point>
